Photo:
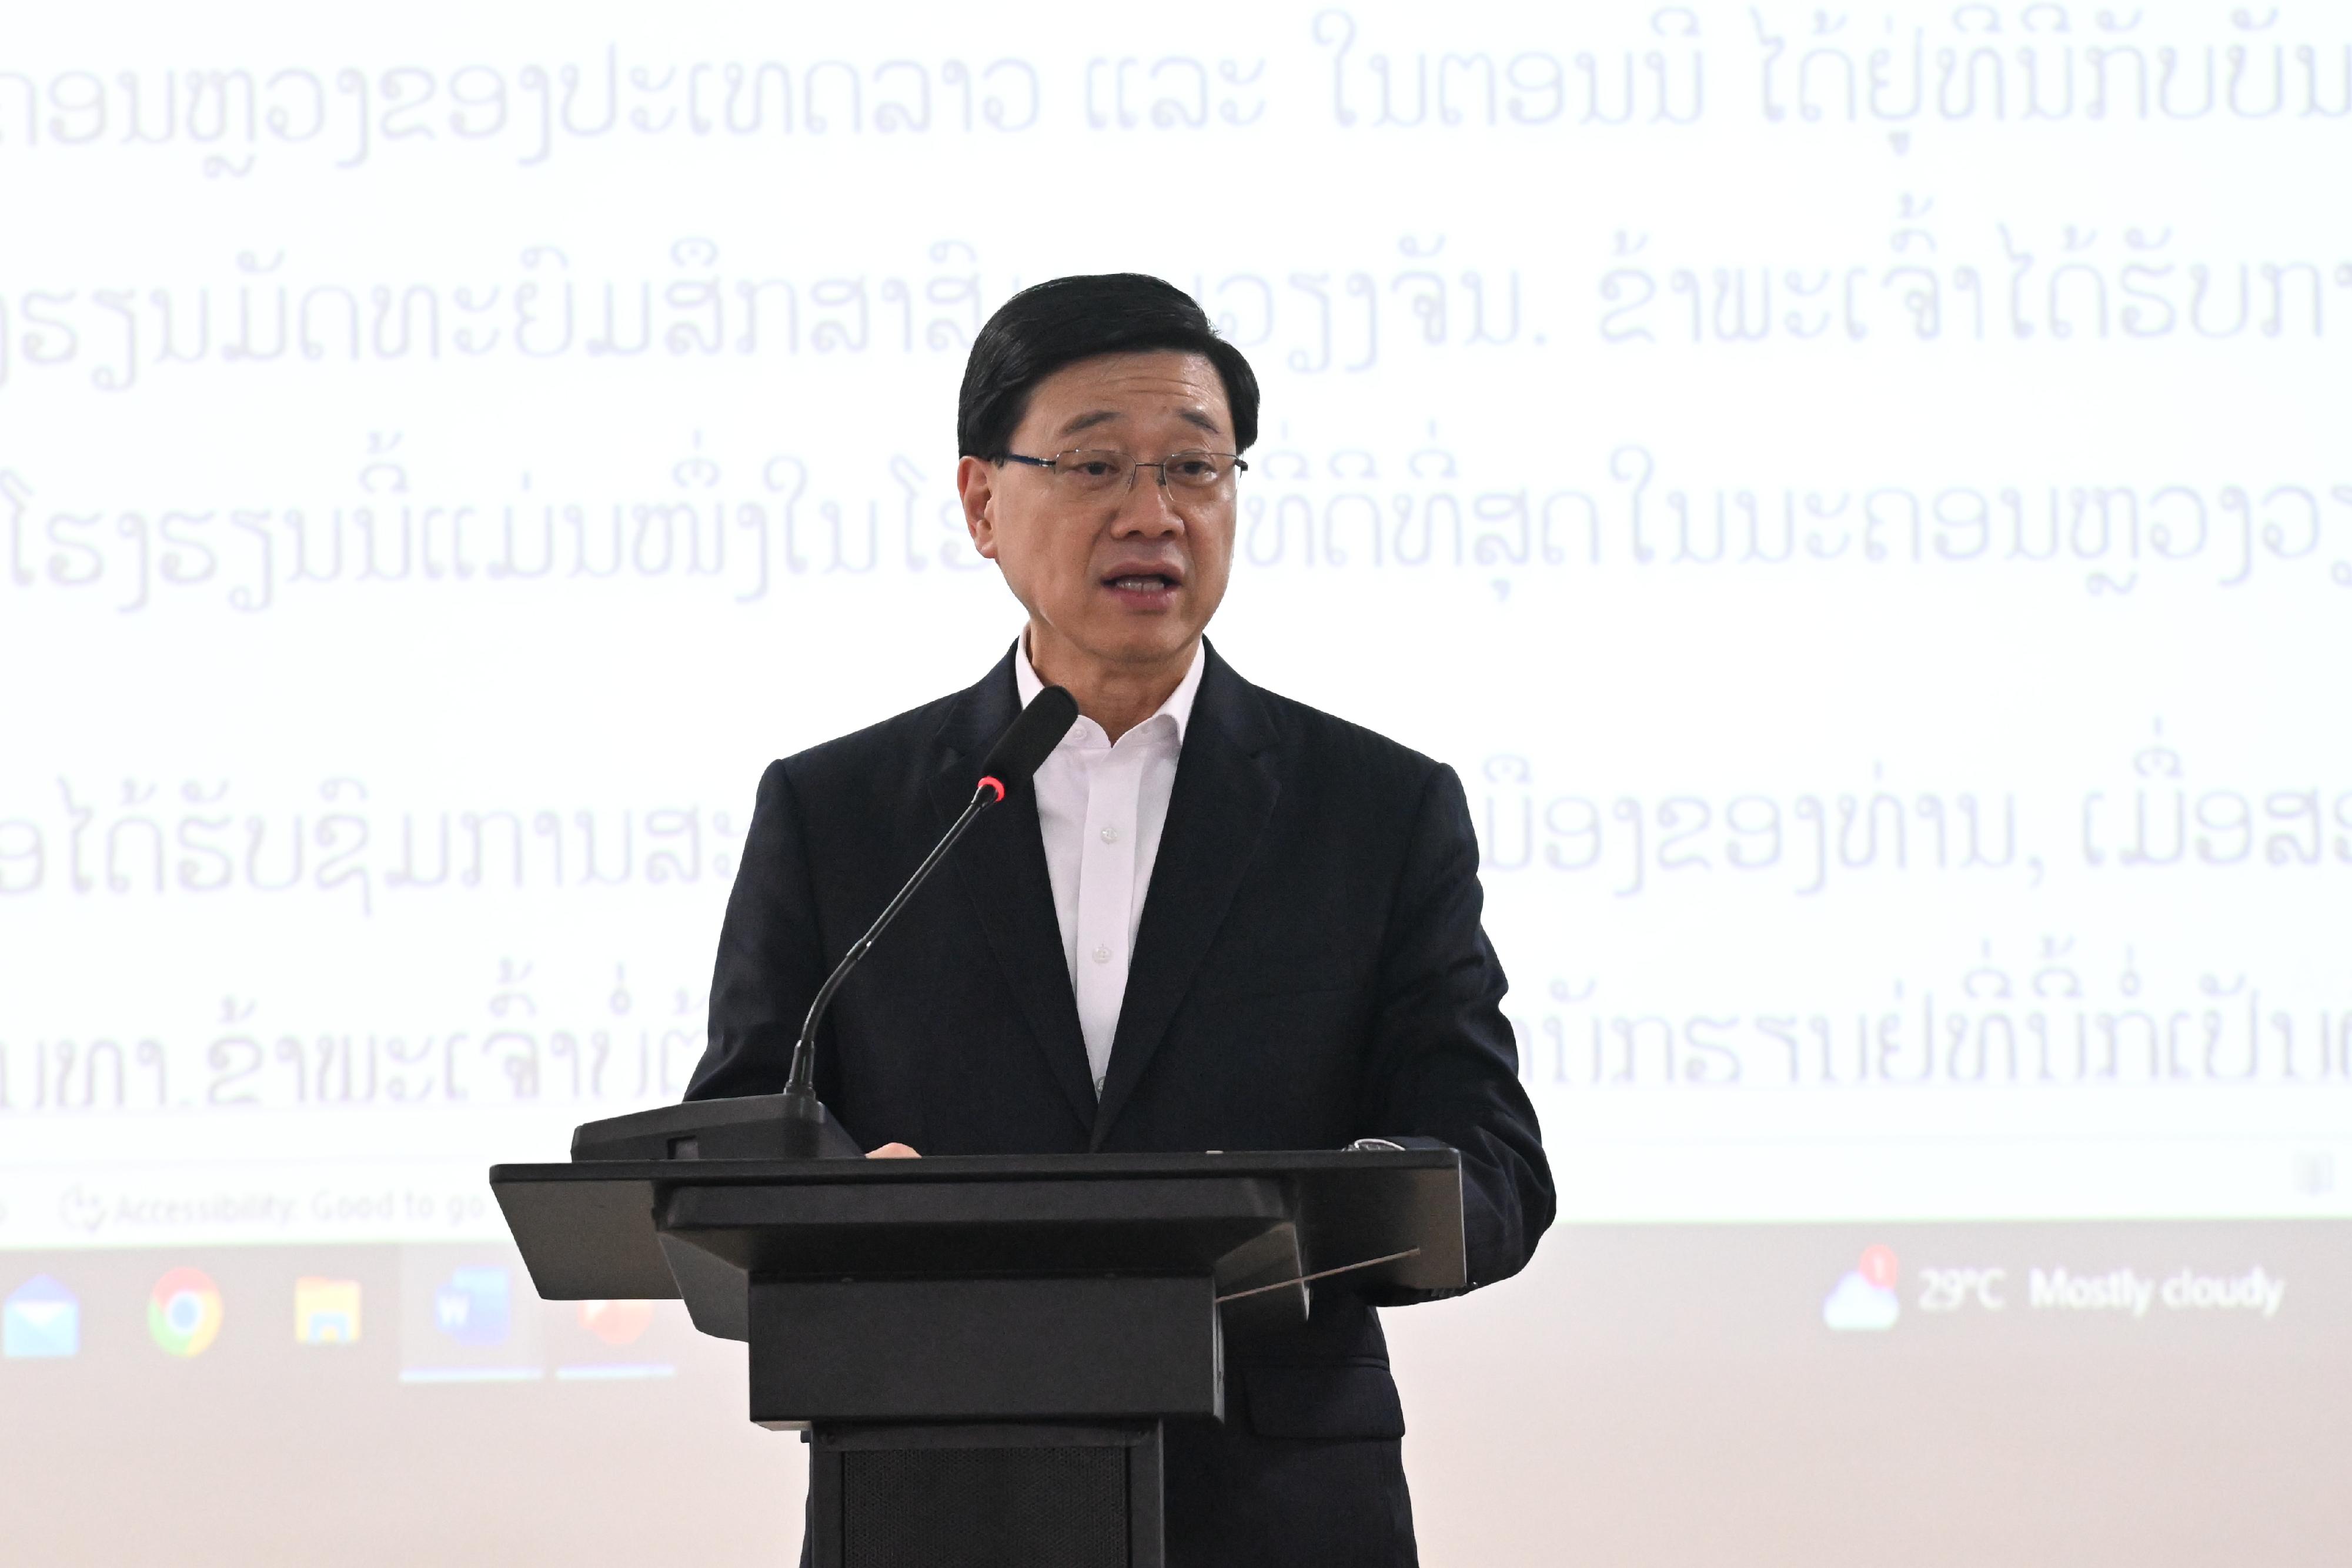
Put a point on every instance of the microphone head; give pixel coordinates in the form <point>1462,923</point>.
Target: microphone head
<point>1027,740</point>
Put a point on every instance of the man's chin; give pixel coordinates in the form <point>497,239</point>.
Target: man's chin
<point>1141,648</point>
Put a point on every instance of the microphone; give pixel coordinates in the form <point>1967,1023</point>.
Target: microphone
<point>1025,743</point>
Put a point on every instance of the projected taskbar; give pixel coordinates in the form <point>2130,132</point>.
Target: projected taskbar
<point>446,1314</point>
<point>434,1315</point>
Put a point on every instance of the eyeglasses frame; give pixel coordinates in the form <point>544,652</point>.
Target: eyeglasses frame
<point>1241,465</point>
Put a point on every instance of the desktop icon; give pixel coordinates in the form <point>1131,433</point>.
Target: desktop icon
<point>1863,1300</point>
<point>472,1306</point>
<point>184,1311</point>
<point>41,1319</point>
<point>616,1322</point>
<point>326,1311</point>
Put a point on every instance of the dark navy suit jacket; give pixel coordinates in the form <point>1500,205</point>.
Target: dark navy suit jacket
<point>1311,969</point>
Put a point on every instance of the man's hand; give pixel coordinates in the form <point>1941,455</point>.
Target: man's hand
<point>892,1151</point>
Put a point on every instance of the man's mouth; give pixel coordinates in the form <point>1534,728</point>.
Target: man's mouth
<point>1141,582</point>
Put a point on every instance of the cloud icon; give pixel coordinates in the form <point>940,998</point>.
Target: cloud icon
<point>1859,1306</point>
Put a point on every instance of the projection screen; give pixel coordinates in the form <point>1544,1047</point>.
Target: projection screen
<point>1859,496</point>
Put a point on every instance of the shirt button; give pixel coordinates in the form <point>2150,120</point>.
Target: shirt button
<point>1102,955</point>
<point>1110,835</point>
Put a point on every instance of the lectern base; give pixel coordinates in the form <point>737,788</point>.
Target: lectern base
<point>1049,1495</point>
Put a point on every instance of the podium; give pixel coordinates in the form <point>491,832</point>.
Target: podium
<point>981,1350</point>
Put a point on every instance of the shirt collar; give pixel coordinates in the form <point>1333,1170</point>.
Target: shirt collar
<point>1178,708</point>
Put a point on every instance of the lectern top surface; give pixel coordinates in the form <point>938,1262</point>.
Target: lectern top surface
<point>988,1167</point>
<point>609,1228</point>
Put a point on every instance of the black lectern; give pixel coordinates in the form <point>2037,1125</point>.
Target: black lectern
<point>982,1349</point>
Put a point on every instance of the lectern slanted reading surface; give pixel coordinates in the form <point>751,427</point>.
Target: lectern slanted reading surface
<point>984,1347</point>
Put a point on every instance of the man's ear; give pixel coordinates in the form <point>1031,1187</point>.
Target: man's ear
<point>976,485</point>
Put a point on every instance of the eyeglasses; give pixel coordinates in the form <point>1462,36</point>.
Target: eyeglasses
<point>1091,473</point>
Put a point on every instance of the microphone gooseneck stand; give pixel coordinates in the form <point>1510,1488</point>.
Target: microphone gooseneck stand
<point>795,1124</point>
<point>804,1115</point>
<point>806,1130</point>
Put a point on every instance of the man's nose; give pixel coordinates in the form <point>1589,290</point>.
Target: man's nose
<point>1149,507</point>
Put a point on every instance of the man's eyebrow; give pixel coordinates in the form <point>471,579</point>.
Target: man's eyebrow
<point>1089,421</point>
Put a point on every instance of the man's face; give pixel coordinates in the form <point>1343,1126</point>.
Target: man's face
<point>1122,582</point>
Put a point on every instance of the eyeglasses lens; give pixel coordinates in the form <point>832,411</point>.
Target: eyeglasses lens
<point>1093,470</point>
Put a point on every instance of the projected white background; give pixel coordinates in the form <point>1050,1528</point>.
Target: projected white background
<point>1859,497</point>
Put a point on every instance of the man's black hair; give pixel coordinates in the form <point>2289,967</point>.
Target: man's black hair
<point>1044,327</point>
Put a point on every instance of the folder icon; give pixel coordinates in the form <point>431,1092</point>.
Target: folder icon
<point>326,1311</point>
<point>41,1318</point>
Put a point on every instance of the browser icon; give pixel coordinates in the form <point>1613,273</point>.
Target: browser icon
<point>184,1312</point>
<point>40,1320</point>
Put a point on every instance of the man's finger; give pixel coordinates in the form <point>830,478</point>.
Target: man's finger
<point>892,1151</point>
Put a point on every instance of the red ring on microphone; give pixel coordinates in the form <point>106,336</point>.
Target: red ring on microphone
<point>988,781</point>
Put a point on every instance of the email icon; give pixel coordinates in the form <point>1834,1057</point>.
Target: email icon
<point>41,1319</point>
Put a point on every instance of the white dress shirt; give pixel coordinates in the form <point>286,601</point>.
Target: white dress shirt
<point>1101,808</point>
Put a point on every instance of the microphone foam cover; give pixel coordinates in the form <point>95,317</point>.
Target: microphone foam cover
<point>1027,740</point>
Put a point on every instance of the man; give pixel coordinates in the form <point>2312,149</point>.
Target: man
<point>1216,919</point>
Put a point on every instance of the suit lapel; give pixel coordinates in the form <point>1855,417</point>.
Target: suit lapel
<point>1002,865</point>
<point>1226,789</point>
